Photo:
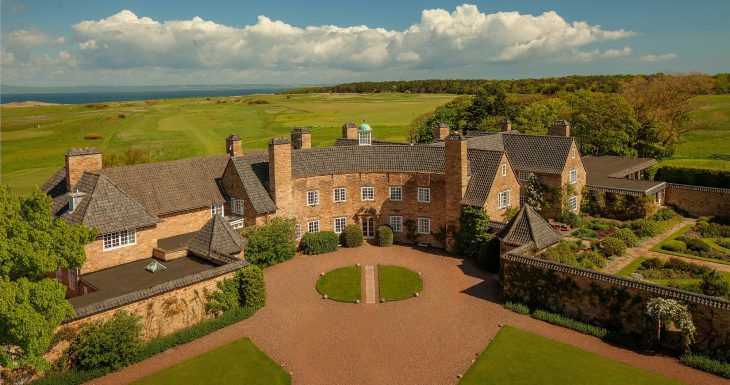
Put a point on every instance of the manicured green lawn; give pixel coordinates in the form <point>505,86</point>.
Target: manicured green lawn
<point>679,233</point>
<point>397,283</point>
<point>181,128</point>
<point>341,284</point>
<point>516,357</point>
<point>239,362</point>
<point>631,267</point>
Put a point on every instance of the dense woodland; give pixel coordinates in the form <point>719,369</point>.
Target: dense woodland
<point>719,84</point>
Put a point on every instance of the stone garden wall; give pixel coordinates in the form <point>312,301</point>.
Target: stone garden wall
<point>698,200</point>
<point>611,301</point>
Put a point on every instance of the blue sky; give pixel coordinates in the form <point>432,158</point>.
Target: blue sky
<point>227,42</point>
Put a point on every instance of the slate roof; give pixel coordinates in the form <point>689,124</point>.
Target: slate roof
<point>608,173</point>
<point>483,165</point>
<point>217,241</point>
<point>374,142</point>
<point>253,169</point>
<point>528,226</point>
<point>533,153</point>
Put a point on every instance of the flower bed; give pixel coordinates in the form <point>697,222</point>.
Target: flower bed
<point>675,272</point>
<point>702,241</point>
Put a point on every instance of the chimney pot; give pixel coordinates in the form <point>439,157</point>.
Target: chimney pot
<point>78,161</point>
<point>234,145</point>
<point>560,127</point>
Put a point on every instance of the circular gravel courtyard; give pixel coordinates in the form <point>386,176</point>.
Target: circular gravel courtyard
<point>429,340</point>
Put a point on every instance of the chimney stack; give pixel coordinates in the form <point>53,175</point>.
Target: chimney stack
<point>78,161</point>
<point>301,138</point>
<point>234,145</point>
<point>441,131</point>
<point>456,168</point>
<point>506,125</point>
<point>280,185</point>
<point>349,131</point>
<point>560,127</point>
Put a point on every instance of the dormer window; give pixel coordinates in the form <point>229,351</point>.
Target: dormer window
<point>74,200</point>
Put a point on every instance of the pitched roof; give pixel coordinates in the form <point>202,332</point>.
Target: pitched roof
<point>384,158</point>
<point>217,241</point>
<point>374,142</point>
<point>104,207</point>
<point>535,153</point>
<point>528,226</point>
<point>483,165</point>
<point>253,169</point>
<point>608,173</point>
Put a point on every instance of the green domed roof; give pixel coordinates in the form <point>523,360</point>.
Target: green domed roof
<point>364,127</point>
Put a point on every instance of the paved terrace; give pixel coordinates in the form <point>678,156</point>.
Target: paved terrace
<point>425,340</point>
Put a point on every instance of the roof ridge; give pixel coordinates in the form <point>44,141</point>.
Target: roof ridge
<point>107,180</point>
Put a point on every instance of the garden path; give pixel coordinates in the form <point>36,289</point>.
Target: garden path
<point>370,296</point>
<point>425,340</point>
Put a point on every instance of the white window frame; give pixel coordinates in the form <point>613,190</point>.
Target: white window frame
<point>217,209</point>
<point>237,224</point>
<point>364,138</point>
<point>572,153</point>
<point>501,198</point>
<point>424,195</point>
<point>573,203</point>
<point>298,230</point>
<point>313,226</point>
<point>312,197</point>
<point>119,239</point>
<point>523,175</point>
<point>395,193</point>
<point>504,169</point>
<point>237,206</point>
<point>573,176</point>
<point>370,195</point>
<point>339,224</point>
<point>396,223</point>
<point>424,225</point>
<point>339,194</point>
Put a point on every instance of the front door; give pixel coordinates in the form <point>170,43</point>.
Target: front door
<point>368,227</point>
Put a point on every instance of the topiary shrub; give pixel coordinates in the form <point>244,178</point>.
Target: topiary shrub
<point>251,287</point>
<point>674,245</point>
<point>384,236</point>
<point>591,260</point>
<point>111,344</point>
<point>351,236</point>
<point>695,244</point>
<point>319,243</point>
<point>626,235</point>
<point>271,243</point>
<point>612,247</point>
<point>645,228</point>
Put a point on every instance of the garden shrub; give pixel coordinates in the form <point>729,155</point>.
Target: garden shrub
<point>693,176</point>
<point>473,231</point>
<point>715,284</point>
<point>251,286</point>
<point>271,243</point>
<point>351,236</point>
<point>585,233</point>
<point>674,245</point>
<point>664,214</point>
<point>70,377</point>
<point>590,259</point>
<point>695,244</point>
<point>652,263</point>
<point>557,319</point>
<point>712,229</point>
<point>645,228</point>
<point>707,364</point>
<point>571,219</point>
<point>384,236</point>
<point>226,297</point>
<point>626,235</point>
<point>612,247</point>
<point>319,243</point>
<point>561,253</point>
<point>598,225</point>
<point>517,307</point>
<point>111,343</point>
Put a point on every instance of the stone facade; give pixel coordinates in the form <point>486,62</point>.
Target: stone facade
<point>280,175</point>
<point>174,224</point>
<point>76,165</point>
<point>502,183</point>
<point>614,302</point>
<point>699,201</point>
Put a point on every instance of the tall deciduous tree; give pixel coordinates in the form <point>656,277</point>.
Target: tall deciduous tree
<point>536,118</point>
<point>603,124</point>
<point>32,245</point>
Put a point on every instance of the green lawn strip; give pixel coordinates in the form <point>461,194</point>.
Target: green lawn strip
<point>239,362</point>
<point>677,234</point>
<point>631,267</point>
<point>398,283</point>
<point>342,284</point>
<point>516,357</point>
<point>713,243</point>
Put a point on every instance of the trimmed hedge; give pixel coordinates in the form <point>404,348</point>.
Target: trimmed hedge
<point>707,364</point>
<point>351,236</point>
<point>626,235</point>
<point>695,244</point>
<point>645,228</point>
<point>517,307</point>
<point>251,286</point>
<point>612,246</point>
<point>319,243</point>
<point>694,176</point>
<point>674,245</point>
<point>384,236</point>
<point>557,319</point>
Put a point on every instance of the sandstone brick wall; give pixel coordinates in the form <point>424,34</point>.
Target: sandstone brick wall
<point>697,200</point>
<point>609,300</point>
<point>174,224</point>
<point>499,184</point>
<point>78,164</point>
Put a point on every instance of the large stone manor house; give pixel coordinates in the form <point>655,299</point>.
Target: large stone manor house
<point>185,214</point>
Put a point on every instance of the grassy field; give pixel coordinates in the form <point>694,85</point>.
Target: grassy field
<point>398,283</point>
<point>714,138</point>
<point>35,138</point>
<point>240,362</point>
<point>341,284</point>
<point>516,357</point>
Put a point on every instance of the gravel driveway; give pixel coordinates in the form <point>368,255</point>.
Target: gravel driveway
<point>425,340</point>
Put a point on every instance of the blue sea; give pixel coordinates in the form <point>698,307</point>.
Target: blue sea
<point>83,97</point>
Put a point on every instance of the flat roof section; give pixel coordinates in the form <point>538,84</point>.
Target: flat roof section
<point>608,173</point>
<point>131,277</point>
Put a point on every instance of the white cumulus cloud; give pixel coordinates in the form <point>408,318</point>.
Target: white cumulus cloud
<point>658,58</point>
<point>616,53</point>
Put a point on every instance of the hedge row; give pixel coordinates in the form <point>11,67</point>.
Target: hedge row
<point>694,176</point>
<point>557,319</point>
<point>319,243</point>
<point>707,364</point>
<point>158,345</point>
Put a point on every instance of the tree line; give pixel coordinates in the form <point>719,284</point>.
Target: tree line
<point>720,84</point>
<point>644,116</point>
